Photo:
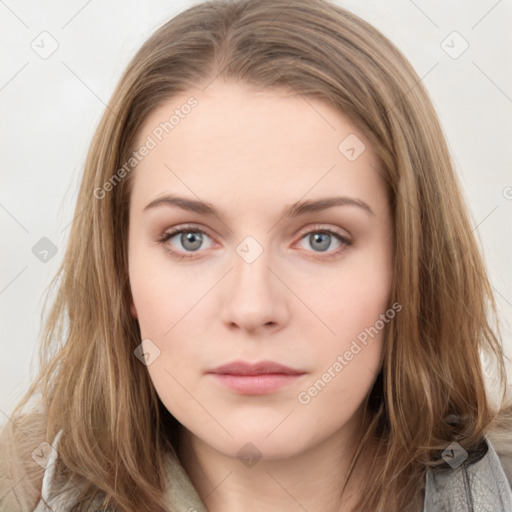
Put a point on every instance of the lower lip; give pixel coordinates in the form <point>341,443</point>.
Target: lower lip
<point>256,384</point>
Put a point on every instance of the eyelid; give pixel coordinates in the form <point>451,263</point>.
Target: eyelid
<point>324,227</point>
<point>170,233</point>
<point>187,227</point>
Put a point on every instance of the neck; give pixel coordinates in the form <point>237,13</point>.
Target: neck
<point>309,480</point>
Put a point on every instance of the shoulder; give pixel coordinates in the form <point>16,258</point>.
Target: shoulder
<point>501,439</point>
<point>473,482</point>
<point>20,473</point>
<point>53,497</point>
<point>50,457</point>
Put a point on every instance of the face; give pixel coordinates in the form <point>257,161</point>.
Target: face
<point>265,272</point>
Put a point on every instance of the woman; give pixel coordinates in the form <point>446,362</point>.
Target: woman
<point>252,370</point>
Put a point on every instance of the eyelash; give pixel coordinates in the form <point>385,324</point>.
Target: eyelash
<point>194,229</point>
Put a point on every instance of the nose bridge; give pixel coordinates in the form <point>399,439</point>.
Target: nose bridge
<point>253,297</point>
<point>251,275</point>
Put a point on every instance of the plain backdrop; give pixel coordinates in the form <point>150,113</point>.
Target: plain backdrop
<point>51,104</point>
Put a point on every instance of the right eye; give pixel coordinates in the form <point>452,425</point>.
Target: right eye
<point>189,238</point>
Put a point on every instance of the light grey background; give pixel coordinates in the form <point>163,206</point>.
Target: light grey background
<point>51,106</point>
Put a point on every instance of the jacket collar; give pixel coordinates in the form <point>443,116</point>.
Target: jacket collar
<point>181,495</point>
<point>469,487</point>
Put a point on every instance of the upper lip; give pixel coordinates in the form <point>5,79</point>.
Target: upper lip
<point>259,368</point>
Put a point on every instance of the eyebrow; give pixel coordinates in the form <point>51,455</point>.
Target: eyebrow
<point>294,210</point>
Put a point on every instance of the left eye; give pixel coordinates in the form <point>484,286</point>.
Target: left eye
<point>321,240</point>
<point>191,240</point>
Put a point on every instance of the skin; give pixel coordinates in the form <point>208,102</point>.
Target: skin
<point>250,153</point>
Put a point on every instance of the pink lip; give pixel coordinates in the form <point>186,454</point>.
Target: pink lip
<point>255,379</point>
<point>259,368</point>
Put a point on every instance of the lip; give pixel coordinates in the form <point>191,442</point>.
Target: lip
<point>255,378</point>
<point>259,368</point>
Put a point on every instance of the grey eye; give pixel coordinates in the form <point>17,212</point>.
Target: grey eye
<point>191,240</point>
<point>320,241</point>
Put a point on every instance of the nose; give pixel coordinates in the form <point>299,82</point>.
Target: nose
<point>254,298</point>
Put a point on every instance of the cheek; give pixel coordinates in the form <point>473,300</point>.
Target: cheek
<point>162,295</point>
<point>353,297</point>
<point>164,303</point>
<point>169,311</point>
<point>349,362</point>
<point>356,307</point>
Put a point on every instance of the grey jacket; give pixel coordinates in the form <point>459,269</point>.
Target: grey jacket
<point>467,485</point>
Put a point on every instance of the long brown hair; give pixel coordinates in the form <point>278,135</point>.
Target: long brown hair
<point>115,430</point>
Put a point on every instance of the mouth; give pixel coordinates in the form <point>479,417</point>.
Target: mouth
<point>255,378</point>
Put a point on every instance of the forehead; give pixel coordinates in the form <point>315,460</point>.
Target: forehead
<point>239,142</point>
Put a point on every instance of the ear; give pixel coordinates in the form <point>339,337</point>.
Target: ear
<point>133,310</point>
